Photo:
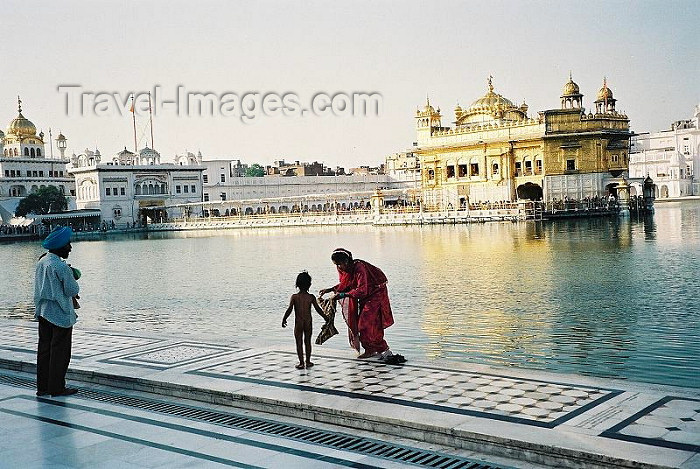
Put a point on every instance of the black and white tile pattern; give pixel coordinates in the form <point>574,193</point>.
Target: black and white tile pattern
<point>506,398</point>
<point>85,343</point>
<point>671,422</point>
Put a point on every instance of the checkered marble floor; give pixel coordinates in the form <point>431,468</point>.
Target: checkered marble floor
<point>86,344</point>
<point>533,402</point>
<point>671,422</point>
<point>633,422</point>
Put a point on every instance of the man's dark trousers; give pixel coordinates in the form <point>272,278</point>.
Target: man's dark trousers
<point>53,357</point>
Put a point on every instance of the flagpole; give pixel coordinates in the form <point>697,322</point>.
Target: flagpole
<point>150,112</point>
<point>133,115</point>
<point>50,143</point>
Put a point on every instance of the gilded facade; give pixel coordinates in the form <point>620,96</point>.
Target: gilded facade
<point>496,152</point>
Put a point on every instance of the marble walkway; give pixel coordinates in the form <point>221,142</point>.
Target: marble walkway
<point>516,417</point>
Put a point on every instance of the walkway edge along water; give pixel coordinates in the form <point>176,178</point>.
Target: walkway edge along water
<point>528,415</point>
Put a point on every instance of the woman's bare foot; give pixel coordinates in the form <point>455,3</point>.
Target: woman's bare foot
<point>309,364</point>
<point>299,366</point>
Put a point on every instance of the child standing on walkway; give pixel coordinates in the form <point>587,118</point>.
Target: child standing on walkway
<point>301,303</point>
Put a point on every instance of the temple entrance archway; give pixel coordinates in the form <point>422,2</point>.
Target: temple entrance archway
<point>529,191</point>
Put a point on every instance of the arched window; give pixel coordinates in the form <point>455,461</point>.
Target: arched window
<point>32,153</point>
<point>495,169</point>
<point>16,152</point>
<point>26,151</point>
<point>151,189</point>
<point>38,152</point>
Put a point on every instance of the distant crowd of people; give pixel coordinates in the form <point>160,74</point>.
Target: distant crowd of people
<point>488,205</point>
<point>15,230</point>
<point>92,227</point>
<point>597,202</point>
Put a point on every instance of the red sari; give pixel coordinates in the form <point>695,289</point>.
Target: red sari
<point>366,309</point>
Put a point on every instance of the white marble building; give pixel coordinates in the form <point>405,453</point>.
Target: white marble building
<point>135,187</point>
<point>296,193</point>
<point>670,157</point>
<point>25,165</point>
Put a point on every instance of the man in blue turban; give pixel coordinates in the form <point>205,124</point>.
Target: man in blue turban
<point>54,289</point>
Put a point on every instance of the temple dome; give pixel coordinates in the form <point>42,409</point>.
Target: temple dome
<point>145,151</point>
<point>124,157</point>
<point>604,93</point>
<point>125,153</point>
<point>570,88</point>
<point>489,108</point>
<point>490,101</point>
<point>21,127</point>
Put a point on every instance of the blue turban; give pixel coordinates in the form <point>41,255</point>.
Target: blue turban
<point>58,238</point>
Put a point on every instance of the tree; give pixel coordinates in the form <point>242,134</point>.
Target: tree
<point>44,200</point>
<point>254,170</point>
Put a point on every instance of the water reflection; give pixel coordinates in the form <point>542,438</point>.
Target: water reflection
<point>600,296</point>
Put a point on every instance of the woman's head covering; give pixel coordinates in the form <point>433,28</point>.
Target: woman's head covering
<point>58,238</point>
<point>341,256</point>
<point>344,251</point>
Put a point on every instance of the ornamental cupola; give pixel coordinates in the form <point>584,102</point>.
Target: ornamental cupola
<point>20,126</point>
<point>429,117</point>
<point>458,112</point>
<point>571,97</point>
<point>605,103</point>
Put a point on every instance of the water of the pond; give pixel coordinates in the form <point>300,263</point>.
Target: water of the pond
<point>614,297</point>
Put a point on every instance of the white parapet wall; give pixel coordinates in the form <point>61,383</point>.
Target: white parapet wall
<point>386,218</point>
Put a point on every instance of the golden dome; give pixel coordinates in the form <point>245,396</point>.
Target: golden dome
<point>604,93</point>
<point>489,107</point>
<point>21,127</point>
<point>570,88</point>
<point>490,102</point>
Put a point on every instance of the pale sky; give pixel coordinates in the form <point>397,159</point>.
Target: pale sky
<point>403,50</point>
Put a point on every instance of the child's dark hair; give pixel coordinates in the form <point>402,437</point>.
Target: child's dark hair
<point>304,281</point>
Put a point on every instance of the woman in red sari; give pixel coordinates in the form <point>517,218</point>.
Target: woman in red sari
<point>365,300</point>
